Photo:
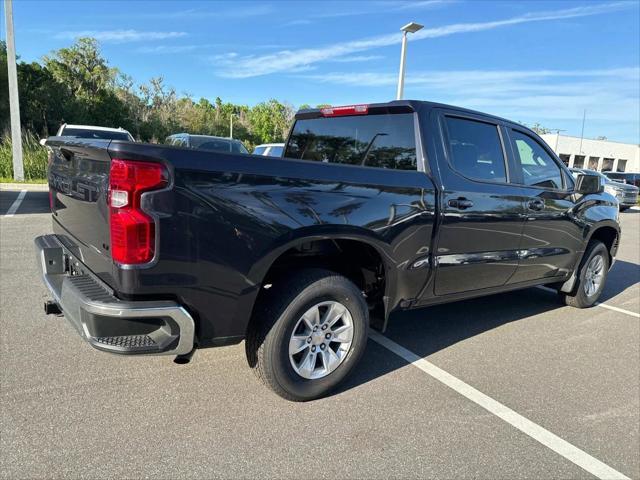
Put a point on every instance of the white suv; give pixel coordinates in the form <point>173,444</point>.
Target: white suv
<point>91,131</point>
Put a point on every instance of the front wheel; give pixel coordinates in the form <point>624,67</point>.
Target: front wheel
<point>308,332</point>
<point>592,276</point>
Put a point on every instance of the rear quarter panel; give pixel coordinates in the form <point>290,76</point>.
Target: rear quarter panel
<point>228,217</point>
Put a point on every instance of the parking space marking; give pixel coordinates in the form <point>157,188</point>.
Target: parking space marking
<point>598,304</point>
<point>617,309</point>
<point>526,426</point>
<point>16,204</point>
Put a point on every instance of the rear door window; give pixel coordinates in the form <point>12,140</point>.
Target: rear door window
<point>538,168</point>
<point>475,149</point>
<point>383,141</point>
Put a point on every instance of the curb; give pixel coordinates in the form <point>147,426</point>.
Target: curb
<point>30,187</point>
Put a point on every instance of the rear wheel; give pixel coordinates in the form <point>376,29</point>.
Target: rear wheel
<point>592,276</point>
<point>307,334</point>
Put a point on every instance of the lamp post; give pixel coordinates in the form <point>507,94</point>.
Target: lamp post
<point>408,28</point>
<point>14,105</point>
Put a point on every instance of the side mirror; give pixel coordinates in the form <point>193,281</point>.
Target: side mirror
<point>43,141</point>
<point>588,183</point>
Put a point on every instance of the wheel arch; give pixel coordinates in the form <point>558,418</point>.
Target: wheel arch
<point>359,242</point>
<point>606,231</point>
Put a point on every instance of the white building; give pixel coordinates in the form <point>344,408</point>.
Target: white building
<point>601,155</point>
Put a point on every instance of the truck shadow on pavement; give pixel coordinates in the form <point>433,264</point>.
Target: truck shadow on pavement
<point>428,330</point>
<point>622,276</point>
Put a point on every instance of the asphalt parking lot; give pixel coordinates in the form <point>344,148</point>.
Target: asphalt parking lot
<point>68,410</point>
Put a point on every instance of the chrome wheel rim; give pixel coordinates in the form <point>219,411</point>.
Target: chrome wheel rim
<point>594,275</point>
<point>321,340</point>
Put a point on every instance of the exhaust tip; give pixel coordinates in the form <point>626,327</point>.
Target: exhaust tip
<point>184,359</point>
<point>52,308</point>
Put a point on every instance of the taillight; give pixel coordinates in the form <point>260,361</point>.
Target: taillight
<point>346,110</point>
<point>132,230</point>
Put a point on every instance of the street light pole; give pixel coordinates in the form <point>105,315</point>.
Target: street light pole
<point>408,28</point>
<point>14,105</point>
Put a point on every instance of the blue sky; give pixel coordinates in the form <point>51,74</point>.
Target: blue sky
<point>532,61</point>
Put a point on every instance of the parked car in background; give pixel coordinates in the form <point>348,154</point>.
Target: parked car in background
<point>627,195</point>
<point>625,177</point>
<point>94,132</point>
<point>206,142</point>
<point>269,149</point>
<point>372,209</point>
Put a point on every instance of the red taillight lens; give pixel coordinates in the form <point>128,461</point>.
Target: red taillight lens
<point>132,230</point>
<point>346,110</point>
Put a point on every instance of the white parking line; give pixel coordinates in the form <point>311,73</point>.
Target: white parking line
<point>617,309</point>
<point>14,206</point>
<point>601,305</point>
<point>526,426</point>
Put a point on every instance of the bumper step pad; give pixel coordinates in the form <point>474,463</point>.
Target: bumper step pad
<point>127,341</point>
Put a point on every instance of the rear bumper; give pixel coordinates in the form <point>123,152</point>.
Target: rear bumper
<point>104,321</point>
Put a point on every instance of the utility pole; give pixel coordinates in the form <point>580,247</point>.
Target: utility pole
<point>584,116</point>
<point>14,104</point>
<point>231,125</point>
<point>558,130</point>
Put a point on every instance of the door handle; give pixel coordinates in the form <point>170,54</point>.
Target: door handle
<point>535,204</point>
<point>460,203</point>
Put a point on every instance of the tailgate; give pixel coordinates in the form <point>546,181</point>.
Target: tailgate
<point>79,183</point>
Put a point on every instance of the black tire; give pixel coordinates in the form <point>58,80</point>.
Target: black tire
<point>275,317</point>
<point>578,298</point>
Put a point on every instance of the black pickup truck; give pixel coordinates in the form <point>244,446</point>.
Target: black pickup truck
<point>373,209</point>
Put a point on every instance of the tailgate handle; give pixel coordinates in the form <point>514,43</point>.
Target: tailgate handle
<point>67,154</point>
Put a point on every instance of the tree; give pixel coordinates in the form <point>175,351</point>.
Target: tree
<point>270,121</point>
<point>77,85</point>
<point>82,68</point>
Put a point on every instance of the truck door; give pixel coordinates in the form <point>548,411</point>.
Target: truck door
<point>481,210</point>
<point>552,236</point>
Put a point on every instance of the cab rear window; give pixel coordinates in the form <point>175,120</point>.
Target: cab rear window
<point>383,141</point>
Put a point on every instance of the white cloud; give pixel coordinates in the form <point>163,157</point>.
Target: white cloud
<point>285,60</point>
<point>358,58</point>
<point>121,36</point>
<point>609,95</point>
<point>168,49</point>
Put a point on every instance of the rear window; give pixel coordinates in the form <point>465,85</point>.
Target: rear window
<point>384,141</point>
<point>216,145</point>
<point>237,147</point>
<point>276,151</point>
<point>259,150</point>
<point>96,134</point>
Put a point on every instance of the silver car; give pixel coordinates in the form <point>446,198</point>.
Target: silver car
<point>627,195</point>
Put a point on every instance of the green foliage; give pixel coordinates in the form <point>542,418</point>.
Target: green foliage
<point>34,157</point>
<point>81,69</point>
<point>77,85</point>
